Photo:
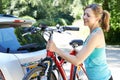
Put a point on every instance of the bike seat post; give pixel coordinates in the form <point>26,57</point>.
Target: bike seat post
<point>51,35</point>
<point>74,46</point>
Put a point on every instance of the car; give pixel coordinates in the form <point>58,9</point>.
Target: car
<point>18,53</point>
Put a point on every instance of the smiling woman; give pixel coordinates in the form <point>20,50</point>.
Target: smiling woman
<point>93,52</point>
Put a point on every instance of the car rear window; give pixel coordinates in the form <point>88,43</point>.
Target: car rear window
<point>12,41</point>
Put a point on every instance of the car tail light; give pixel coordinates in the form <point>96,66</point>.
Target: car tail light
<point>1,76</point>
<point>18,21</point>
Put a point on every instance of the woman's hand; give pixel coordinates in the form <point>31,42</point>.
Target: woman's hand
<point>51,46</point>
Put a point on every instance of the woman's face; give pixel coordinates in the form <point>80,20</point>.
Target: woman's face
<point>89,17</point>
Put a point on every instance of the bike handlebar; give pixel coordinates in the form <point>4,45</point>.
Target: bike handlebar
<point>59,29</point>
<point>71,28</point>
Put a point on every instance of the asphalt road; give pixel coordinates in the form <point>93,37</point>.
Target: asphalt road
<point>113,59</point>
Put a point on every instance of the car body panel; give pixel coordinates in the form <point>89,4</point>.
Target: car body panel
<point>10,66</point>
<point>14,21</point>
<point>32,58</point>
<point>14,65</point>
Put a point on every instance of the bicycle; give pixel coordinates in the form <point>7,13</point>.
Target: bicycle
<point>46,67</point>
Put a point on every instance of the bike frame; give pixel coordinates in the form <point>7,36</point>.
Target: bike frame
<point>52,57</point>
<point>59,64</point>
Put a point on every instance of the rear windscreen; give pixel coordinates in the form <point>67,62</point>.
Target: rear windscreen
<point>12,41</point>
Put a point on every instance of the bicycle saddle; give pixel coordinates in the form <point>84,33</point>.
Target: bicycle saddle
<point>76,43</point>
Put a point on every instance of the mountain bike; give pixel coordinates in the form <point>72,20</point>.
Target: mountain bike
<point>51,67</point>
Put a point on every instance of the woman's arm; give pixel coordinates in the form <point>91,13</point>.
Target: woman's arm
<point>82,54</point>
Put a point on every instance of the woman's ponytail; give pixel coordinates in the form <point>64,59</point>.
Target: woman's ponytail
<point>105,20</point>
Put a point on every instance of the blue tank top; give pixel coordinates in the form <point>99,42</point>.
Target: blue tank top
<point>96,65</point>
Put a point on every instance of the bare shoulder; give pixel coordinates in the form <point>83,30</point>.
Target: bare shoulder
<point>97,39</point>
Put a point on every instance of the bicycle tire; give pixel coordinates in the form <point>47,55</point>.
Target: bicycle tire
<point>37,73</point>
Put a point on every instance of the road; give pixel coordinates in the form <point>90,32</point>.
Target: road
<point>113,59</point>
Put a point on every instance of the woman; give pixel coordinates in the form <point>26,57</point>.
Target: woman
<point>93,51</point>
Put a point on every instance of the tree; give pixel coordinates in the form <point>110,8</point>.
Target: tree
<point>1,9</point>
<point>113,7</point>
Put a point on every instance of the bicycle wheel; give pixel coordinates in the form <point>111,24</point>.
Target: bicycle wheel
<point>38,73</point>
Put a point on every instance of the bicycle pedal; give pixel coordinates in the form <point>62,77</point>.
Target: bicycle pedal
<point>42,73</point>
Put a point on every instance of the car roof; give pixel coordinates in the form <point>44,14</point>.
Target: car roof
<point>12,21</point>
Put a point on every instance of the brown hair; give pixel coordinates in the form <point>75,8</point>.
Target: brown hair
<point>102,14</point>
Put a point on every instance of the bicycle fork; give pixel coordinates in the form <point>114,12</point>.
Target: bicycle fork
<point>47,64</point>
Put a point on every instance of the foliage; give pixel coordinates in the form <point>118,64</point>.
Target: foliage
<point>52,22</point>
<point>112,37</point>
<point>30,38</point>
<point>63,12</point>
<point>28,18</point>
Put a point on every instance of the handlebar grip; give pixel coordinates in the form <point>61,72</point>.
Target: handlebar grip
<point>71,28</point>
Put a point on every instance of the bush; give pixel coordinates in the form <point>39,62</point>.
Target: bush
<point>113,36</point>
<point>52,22</point>
<point>28,18</point>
